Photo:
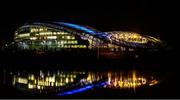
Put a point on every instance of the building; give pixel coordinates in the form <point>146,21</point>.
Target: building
<point>57,36</point>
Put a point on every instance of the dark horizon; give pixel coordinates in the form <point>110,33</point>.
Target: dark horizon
<point>158,19</point>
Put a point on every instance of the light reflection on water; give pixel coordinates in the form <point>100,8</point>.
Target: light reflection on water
<point>63,80</point>
<point>132,80</point>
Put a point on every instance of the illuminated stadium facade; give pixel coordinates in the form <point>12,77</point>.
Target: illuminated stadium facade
<point>60,35</point>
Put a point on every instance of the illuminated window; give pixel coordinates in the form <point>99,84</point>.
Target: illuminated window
<point>73,37</point>
<point>68,37</point>
<point>45,33</point>
<point>65,42</point>
<point>33,38</point>
<point>24,35</point>
<point>75,42</point>
<point>33,30</point>
<point>62,42</point>
<point>55,33</point>
<point>30,86</point>
<point>22,80</point>
<point>51,37</point>
<point>69,42</point>
<point>38,87</point>
<point>31,77</point>
<point>67,80</point>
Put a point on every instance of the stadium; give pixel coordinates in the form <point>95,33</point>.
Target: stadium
<point>57,36</point>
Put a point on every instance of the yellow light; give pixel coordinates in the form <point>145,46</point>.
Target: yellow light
<point>71,75</point>
<point>127,82</point>
<point>41,82</point>
<point>134,76</point>
<point>135,36</point>
<point>33,38</point>
<point>61,84</point>
<point>143,81</point>
<point>51,37</point>
<point>24,35</point>
<point>45,33</point>
<point>67,80</point>
<point>139,84</point>
<point>51,79</point>
<point>46,83</point>
<point>35,81</point>
<point>56,84</point>
<point>115,83</point>
<point>68,37</point>
<point>38,87</point>
<point>73,37</point>
<point>54,33</point>
<point>72,79</point>
<point>30,86</point>
<point>33,30</point>
<point>52,84</point>
<point>22,80</point>
<point>47,78</point>
<point>153,82</point>
<point>74,76</point>
<point>31,77</point>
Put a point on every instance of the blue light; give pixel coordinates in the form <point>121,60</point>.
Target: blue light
<point>102,34</point>
<point>101,84</point>
<point>76,90</point>
<point>78,27</point>
<point>81,89</point>
<point>104,83</point>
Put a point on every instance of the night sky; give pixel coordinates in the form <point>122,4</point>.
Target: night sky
<point>159,19</point>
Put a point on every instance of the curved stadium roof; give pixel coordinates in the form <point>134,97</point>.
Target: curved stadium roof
<point>120,38</point>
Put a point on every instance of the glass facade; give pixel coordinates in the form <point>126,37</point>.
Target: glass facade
<point>40,38</point>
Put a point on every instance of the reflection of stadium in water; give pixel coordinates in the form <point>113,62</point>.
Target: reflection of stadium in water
<point>47,80</point>
<point>60,80</point>
<point>132,80</point>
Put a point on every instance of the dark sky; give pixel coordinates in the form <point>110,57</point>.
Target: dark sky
<point>158,19</point>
